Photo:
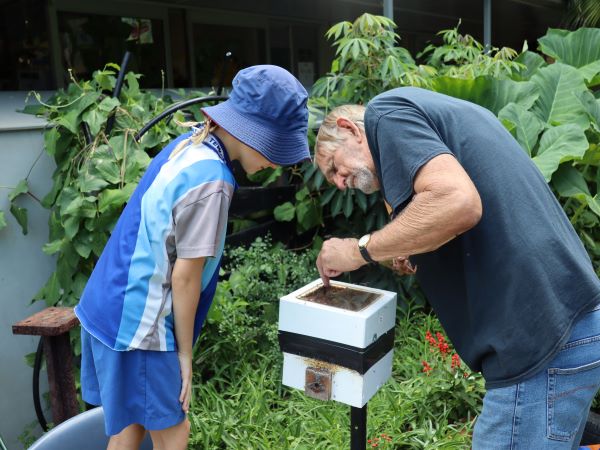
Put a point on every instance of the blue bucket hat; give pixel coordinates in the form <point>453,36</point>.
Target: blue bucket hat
<point>267,111</point>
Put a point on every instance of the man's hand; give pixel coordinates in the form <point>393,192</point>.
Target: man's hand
<point>338,256</point>
<point>185,364</point>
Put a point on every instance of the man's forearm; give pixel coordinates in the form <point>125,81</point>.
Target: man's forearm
<point>428,222</point>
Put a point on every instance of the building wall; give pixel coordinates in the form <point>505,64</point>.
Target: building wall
<point>24,268</point>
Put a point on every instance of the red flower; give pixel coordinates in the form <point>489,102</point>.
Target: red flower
<point>455,362</point>
<point>426,367</point>
<point>443,347</point>
<point>429,338</point>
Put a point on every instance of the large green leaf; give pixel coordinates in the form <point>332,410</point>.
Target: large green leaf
<point>89,182</point>
<point>114,198</point>
<point>285,212</point>
<point>85,101</point>
<point>108,169</point>
<point>560,144</point>
<point>22,187</point>
<point>70,121</point>
<point>108,104</point>
<point>527,126</point>
<point>95,119</point>
<point>558,104</point>
<point>592,106</point>
<point>532,62</point>
<point>50,138</point>
<point>592,156</point>
<point>569,182</point>
<point>491,93</point>
<point>51,248</point>
<point>21,215</point>
<point>308,214</point>
<point>580,49</point>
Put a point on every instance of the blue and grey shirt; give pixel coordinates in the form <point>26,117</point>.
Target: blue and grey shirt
<point>509,290</point>
<point>178,210</point>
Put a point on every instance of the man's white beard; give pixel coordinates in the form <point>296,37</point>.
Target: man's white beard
<point>364,180</point>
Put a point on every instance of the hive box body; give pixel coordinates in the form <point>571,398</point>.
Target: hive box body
<point>358,329</point>
<point>348,386</point>
<point>355,328</point>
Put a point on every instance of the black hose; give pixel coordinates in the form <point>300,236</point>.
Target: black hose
<point>117,90</point>
<point>176,107</point>
<point>86,133</point>
<point>37,365</point>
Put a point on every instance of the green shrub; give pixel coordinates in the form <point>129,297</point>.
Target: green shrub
<point>242,320</point>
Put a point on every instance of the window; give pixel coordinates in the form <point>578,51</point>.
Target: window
<point>90,41</point>
<point>211,42</point>
<point>24,46</point>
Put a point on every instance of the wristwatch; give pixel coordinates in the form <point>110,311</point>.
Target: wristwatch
<point>362,248</point>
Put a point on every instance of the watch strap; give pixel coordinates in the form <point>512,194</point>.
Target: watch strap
<point>365,254</point>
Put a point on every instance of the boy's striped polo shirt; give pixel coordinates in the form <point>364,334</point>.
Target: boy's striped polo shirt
<point>178,210</point>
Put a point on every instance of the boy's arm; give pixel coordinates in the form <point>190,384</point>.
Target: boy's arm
<point>186,284</point>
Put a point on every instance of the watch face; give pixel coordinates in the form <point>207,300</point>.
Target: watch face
<point>364,240</point>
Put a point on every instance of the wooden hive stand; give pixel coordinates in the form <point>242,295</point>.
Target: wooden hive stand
<point>53,325</point>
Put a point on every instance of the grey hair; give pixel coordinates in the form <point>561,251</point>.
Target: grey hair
<point>329,137</point>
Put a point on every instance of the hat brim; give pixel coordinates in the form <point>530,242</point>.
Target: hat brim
<point>281,147</point>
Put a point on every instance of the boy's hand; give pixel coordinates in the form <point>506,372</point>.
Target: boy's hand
<point>185,364</point>
<point>401,265</point>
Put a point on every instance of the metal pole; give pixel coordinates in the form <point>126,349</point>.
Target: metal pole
<point>487,25</point>
<point>388,9</point>
<point>358,428</point>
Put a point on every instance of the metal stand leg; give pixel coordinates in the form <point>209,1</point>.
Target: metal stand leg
<point>358,428</point>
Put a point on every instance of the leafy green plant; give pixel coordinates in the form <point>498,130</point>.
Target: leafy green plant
<point>367,61</point>
<point>243,316</point>
<point>96,172</point>
<point>462,56</point>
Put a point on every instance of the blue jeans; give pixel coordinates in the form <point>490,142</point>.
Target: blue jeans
<point>548,410</point>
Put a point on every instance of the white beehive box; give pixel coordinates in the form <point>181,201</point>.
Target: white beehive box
<point>352,345</point>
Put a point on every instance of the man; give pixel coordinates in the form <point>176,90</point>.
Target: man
<point>497,258</point>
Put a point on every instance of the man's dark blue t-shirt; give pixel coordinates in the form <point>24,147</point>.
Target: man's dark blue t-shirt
<point>508,290</point>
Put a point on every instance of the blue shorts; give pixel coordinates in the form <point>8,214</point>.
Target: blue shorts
<point>136,386</point>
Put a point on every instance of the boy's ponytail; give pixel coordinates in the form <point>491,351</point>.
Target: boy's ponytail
<point>198,136</point>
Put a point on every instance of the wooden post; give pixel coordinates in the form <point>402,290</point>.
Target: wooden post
<point>54,324</point>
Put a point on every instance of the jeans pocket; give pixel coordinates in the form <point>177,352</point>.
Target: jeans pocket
<point>570,391</point>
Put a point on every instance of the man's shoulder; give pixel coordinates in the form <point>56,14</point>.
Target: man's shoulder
<point>395,102</point>
<point>402,95</point>
<point>401,98</point>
